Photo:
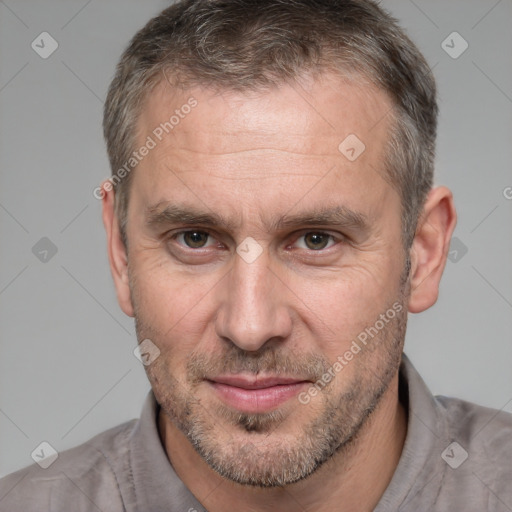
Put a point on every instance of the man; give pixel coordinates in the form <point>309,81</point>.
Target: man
<point>271,220</point>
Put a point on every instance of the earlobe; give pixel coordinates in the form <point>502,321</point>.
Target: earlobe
<point>430,248</point>
<point>117,253</point>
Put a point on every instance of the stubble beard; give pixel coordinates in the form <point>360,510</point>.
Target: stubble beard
<point>260,449</point>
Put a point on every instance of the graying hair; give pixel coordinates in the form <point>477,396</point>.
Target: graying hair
<point>259,44</point>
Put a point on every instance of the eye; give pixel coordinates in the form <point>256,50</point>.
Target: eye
<point>194,239</point>
<point>315,241</point>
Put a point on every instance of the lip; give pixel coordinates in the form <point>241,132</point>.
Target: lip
<point>254,394</point>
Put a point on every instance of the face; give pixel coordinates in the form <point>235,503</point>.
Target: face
<point>263,259</point>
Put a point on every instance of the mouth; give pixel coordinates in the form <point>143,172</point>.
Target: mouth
<point>256,394</point>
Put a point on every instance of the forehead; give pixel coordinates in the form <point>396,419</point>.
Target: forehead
<point>294,115</point>
<point>263,149</point>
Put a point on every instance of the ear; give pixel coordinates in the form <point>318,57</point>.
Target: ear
<point>117,253</point>
<point>430,248</point>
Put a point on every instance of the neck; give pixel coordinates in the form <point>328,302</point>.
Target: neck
<point>354,479</point>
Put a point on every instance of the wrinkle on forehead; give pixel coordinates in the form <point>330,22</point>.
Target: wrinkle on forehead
<point>267,150</point>
<point>291,118</point>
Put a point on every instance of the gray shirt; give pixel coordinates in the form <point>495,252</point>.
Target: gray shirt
<point>457,457</point>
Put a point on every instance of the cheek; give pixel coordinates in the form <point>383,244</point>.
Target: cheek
<point>341,306</point>
<point>172,305</point>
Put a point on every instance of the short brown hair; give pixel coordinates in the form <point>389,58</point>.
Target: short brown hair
<point>251,44</point>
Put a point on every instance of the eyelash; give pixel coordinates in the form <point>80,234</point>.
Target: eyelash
<point>337,239</point>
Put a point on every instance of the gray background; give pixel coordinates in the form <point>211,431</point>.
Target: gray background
<point>67,370</point>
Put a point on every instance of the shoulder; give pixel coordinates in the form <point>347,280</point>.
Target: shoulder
<point>478,427</point>
<point>81,478</point>
<point>480,447</point>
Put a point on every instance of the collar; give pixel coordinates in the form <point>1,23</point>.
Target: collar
<point>420,469</point>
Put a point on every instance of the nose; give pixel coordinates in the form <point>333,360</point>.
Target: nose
<point>253,309</point>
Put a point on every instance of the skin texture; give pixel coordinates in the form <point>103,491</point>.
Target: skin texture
<point>253,160</point>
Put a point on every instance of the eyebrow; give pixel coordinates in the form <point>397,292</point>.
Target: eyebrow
<point>339,216</point>
<point>166,213</point>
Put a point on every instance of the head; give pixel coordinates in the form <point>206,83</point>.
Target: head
<point>278,216</point>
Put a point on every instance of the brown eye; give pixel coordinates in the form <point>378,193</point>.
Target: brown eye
<point>316,241</point>
<point>195,239</point>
